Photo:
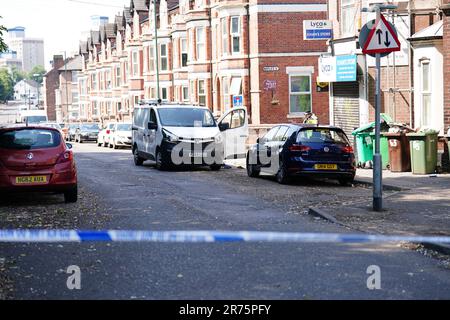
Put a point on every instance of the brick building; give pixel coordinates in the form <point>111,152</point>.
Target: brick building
<point>208,52</point>
<point>406,92</point>
<point>51,84</point>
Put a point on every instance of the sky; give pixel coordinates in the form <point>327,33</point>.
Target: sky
<point>59,22</point>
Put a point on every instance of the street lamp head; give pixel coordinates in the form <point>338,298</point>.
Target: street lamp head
<point>379,7</point>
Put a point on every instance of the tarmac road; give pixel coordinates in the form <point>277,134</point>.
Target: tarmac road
<point>117,195</point>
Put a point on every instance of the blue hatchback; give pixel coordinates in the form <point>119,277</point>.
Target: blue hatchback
<point>289,150</point>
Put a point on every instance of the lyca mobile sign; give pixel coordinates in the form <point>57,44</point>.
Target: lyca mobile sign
<point>337,68</point>
<point>317,29</point>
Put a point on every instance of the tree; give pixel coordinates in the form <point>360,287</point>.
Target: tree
<point>37,74</point>
<point>6,86</point>
<point>3,46</point>
<point>17,75</point>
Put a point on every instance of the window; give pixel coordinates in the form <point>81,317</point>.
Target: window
<point>185,93</point>
<point>299,94</point>
<point>95,108</point>
<point>94,81</point>
<point>236,86</point>
<point>164,64</point>
<point>135,64</point>
<point>237,119</point>
<point>164,93</point>
<point>74,76</point>
<point>136,100</point>
<point>151,58</point>
<point>270,134</point>
<point>280,133</point>
<point>119,106</point>
<point>226,94</point>
<point>201,92</point>
<point>74,97</point>
<point>118,77</point>
<point>224,37</point>
<point>108,79</point>
<point>108,107</point>
<point>348,17</point>
<point>426,93</point>
<point>200,42</point>
<point>235,31</point>
<point>126,71</point>
<point>184,52</point>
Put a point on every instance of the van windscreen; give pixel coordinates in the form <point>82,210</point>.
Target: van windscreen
<point>186,117</point>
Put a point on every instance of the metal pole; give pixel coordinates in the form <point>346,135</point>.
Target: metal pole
<point>67,92</point>
<point>377,172</point>
<point>156,50</point>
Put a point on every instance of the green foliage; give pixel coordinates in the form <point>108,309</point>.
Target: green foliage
<point>37,74</point>
<point>3,46</point>
<point>17,75</point>
<point>6,86</point>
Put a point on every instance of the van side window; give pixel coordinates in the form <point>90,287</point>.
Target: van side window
<point>237,119</point>
<point>153,116</point>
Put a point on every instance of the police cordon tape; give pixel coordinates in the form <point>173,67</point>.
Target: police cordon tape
<point>47,235</point>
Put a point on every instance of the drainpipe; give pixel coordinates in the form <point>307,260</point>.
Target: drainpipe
<point>410,60</point>
<point>211,84</point>
<point>249,109</point>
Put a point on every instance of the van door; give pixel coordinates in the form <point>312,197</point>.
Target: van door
<point>234,129</point>
<point>150,134</point>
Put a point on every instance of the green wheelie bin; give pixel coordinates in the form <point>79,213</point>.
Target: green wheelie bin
<point>384,149</point>
<point>423,146</point>
<point>364,148</point>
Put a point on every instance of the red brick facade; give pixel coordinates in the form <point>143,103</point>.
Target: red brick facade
<point>51,83</point>
<point>446,58</point>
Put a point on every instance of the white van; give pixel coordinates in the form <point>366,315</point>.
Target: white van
<point>32,116</point>
<point>177,134</point>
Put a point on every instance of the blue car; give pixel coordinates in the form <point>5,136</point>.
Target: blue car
<point>289,150</point>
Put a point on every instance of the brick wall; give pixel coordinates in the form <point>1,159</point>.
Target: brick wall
<point>51,84</point>
<point>446,58</point>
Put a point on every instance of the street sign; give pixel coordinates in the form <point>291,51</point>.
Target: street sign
<point>317,29</point>
<point>237,101</point>
<point>381,39</point>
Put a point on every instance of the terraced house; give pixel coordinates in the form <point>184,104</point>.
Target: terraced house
<point>209,52</point>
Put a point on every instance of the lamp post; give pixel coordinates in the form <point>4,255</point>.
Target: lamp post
<point>36,75</point>
<point>156,48</point>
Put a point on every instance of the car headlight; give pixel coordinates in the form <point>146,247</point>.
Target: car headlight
<point>218,138</point>
<point>169,136</point>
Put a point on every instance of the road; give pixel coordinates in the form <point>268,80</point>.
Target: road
<point>115,194</point>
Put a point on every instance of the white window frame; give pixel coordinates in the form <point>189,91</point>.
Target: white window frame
<point>235,34</point>
<point>135,63</point>
<point>151,58</point>
<point>200,43</point>
<point>118,76</point>
<point>183,50</point>
<point>185,97</point>
<point>108,80</point>
<point>224,33</point>
<point>303,74</point>
<point>164,89</point>
<point>226,99</point>
<point>163,57</point>
<point>425,93</point>
<point>349,7</point>
<point>201,94</point>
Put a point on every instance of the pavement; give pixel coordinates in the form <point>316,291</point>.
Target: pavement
<point>115,194</point>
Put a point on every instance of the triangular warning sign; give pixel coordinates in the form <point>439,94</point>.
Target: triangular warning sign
<point>382,38</point>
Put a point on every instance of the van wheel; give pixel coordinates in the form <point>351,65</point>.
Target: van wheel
<point>138,161</point>
<point>115,147</point>
<point>253,170</point>
<point>161,163</point>
<point>282,174</point>
<point>71,196</point>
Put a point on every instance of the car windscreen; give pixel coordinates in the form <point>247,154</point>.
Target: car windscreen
<point>124,127</point>
<point>322,135</point>
<point>186,117</point>
<point>35,119</point>
<point>29,139</point>
<point>89,127</point>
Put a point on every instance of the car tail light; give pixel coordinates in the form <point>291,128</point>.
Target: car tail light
<point>298,147</point>
<point>108,131</point>
<point>347,149</point>
<point>66,156</point>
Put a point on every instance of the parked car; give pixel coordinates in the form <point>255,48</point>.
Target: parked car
<point>289,150</point>
<point>32,116</point>
<point>120,136</point>
<point>104,135</point>
<point>87,132</point>
<point>161,131</point>
<point>36,158</point>
<point>71,131</point>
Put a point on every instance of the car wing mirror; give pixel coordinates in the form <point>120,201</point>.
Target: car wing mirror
<point>224,126</point>
<point>69,145</point>
<point>152,126</point>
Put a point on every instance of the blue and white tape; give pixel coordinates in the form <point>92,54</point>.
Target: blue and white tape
<point>35,235</point>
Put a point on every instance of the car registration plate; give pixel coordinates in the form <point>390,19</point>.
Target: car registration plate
<point>31,179</point>
<point>197,154</point>
<point>326,166</point>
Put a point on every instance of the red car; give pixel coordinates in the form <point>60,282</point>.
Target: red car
<point>36,159</point>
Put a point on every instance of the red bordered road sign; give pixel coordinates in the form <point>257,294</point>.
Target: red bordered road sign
<point>382,39</point>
